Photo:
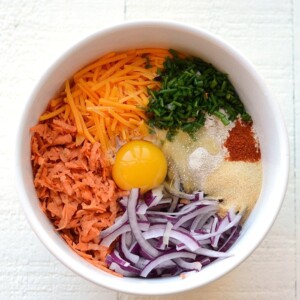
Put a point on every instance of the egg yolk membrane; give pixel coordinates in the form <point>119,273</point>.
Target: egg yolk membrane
<point>139,164</point>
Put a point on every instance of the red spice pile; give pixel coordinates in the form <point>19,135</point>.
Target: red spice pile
<point>241,144</point>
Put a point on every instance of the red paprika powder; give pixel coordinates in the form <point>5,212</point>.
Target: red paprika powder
<point>241,144</point>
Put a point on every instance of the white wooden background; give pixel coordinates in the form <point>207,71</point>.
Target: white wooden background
<point>34,33</point>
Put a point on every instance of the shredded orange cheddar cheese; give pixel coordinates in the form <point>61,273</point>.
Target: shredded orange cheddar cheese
<point>107,98</point>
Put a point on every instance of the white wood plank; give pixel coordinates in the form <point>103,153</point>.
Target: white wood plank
<point>296,18</point>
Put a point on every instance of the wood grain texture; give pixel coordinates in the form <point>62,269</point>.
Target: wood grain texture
<point>34,33</point>
<point>296,56</point>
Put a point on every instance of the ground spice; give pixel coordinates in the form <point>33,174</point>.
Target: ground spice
<point>238,183</point>
<point>241,144</point>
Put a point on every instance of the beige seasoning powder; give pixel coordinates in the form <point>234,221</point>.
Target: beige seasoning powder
<point>237,183</point>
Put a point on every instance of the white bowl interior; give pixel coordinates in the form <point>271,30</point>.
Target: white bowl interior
<point>267,119</point>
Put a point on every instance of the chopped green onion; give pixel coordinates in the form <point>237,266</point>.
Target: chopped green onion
<point>191,89</point>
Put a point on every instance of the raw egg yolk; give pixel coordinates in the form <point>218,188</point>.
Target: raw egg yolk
<point>139,164</point>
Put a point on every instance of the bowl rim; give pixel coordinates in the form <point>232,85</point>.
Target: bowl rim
<point>21,189</point>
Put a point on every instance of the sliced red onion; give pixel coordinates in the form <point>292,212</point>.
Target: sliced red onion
<point>160,207</point>
<point>125,228</point>
<point>211,253</point>
<point>214,227</point>
<point>154,219</point>
<point>158,230</point>
<point>129,239</point>
<point>154,196</point>
<point>186,239</point>
<point>143,218</point>
<point>235,221</point>
<point>196,265</point>
<point>160,226</point>
<point>167,232</point>
<point>189,216</point>
<point>164,217</point>
<point>204,242</point>
<point>198,195</point>
<point>207,226</point>
<point>124,201</point>
<point>142,209</point>
<point>160,245</point>
<point>187,224</point>
<point>118,223</point>
<point>143,253</point>
<point>200,221</point>
<point>164,202</point>
<point>231,214</point>
<point>205,261</point>
<point>231,239</point>
<point>126,269</point>
<point>174,242</point>
<point>131,269</point>
<point>115,267</point>
<point>142,262</point>
<point>132,203</point>
<point>167,264</point>
<point>111,237</point>
<point>163,258</point>
<point>174,204</point>
<point>197,220</point>
<point>163,213</point>
<point>115,257</point>
<point>221,225</point>
<point>133,258</point>
<point>134,248</point>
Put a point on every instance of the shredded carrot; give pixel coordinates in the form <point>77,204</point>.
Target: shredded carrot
<point>74,187</point>
<point>112,89</point>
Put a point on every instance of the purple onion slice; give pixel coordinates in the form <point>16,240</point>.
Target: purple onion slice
<point>118,223</point>
<point>163,258</point>
<point>189,216</point>
<point>158,237</point>
<point>115,267</point>
<point>133,258</point>
<point>125,228</point>
<point>132,203</point>
<point>188,266</point>
<point>154,196</point>
<point>167,233</point>
<point>186,239</point>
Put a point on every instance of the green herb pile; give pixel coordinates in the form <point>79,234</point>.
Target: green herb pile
<point>191,89</point>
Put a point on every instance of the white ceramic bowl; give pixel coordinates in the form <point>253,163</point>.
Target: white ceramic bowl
<point>253,92</point>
